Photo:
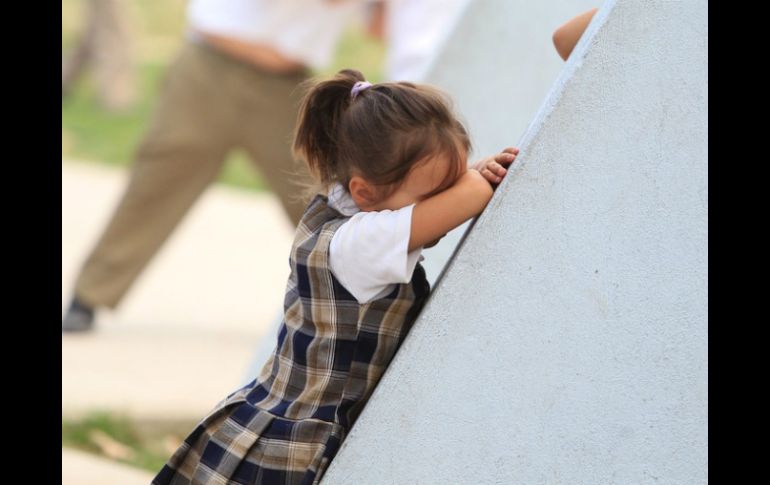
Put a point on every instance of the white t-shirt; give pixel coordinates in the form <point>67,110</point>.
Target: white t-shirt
<point>368,253</point>
<point>303,30</point>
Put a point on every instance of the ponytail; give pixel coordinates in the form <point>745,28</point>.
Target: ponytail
<point>316,134</point>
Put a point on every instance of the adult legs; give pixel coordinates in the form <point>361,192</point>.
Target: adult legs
<point>180,155</point>
<point>271,107</point>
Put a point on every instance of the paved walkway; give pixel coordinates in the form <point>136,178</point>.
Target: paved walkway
<point>186,333</point>
<point>79,468</point>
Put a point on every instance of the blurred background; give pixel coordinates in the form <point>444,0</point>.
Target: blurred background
<point>98,132</point>
<point>186,331</point>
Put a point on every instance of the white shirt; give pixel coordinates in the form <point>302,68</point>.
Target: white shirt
<point>303,30</point>
<point>416,30</point>
<point>368,253</point>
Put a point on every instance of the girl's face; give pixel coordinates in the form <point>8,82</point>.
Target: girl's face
<point>426,179</point>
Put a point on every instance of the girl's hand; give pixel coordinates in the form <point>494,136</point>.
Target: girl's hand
<point>493,168</point>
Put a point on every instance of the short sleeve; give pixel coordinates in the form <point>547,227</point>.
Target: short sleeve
<point>368,253</point>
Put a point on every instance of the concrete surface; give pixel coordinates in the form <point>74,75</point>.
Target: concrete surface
<point>80,468</point>
<point>184,335</point>
<point>567,341</point>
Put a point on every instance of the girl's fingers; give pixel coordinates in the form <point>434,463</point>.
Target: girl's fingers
<point>506,158</point>
<point>482,163</point>
<point>513,150</point>
<point>496,168</point>
<point>491,177</point>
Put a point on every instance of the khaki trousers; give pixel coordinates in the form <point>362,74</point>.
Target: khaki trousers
<point>209,105</point>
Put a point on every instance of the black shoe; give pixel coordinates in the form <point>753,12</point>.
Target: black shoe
<point>79,317</point>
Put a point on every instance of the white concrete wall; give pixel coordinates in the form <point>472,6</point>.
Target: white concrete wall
<point>500,54</point>
<point>567,341</point>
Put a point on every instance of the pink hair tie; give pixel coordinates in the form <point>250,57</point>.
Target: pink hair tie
<point>358,87</point>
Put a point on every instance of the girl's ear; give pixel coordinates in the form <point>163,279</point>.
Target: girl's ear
<point>362,192</point>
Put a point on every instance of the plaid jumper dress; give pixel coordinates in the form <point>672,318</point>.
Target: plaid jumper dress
<point>285,426</point>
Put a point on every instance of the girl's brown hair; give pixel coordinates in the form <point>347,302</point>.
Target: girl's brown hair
<point>381,134</point>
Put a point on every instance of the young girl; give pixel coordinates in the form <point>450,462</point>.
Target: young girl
<point>391,162</point>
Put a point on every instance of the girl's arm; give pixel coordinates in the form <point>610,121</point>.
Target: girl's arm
<point>433,217</point>
<point>568,34</point>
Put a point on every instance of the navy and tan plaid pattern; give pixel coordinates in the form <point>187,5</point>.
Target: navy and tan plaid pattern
<point>286,425</point>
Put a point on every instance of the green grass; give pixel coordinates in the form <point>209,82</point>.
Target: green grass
<point>151,443</point>
<point>91,133</point>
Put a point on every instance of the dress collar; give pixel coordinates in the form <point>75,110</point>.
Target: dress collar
<point>341,201</point>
